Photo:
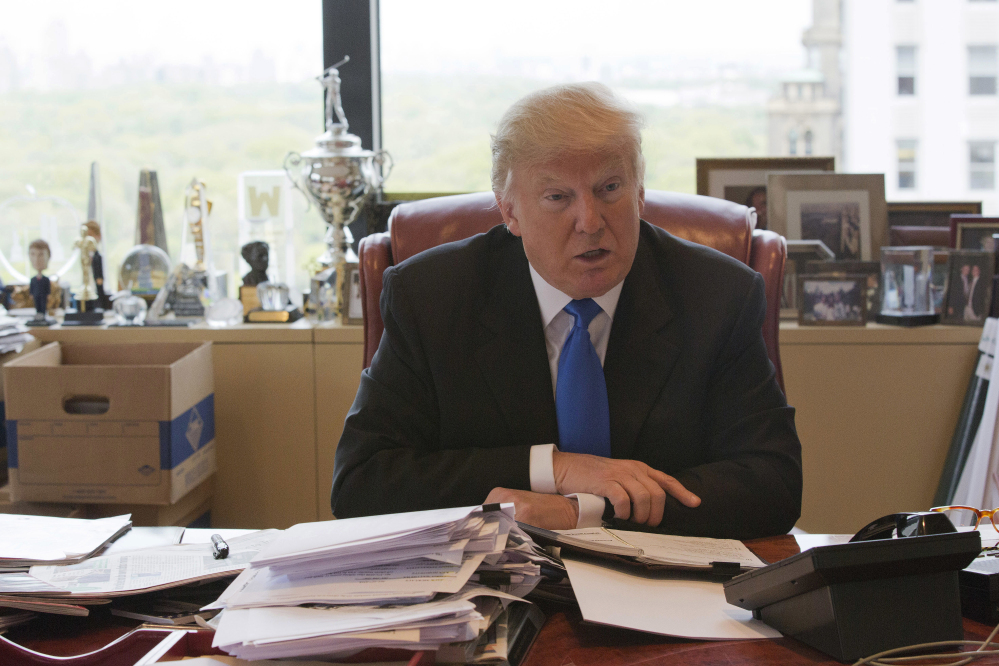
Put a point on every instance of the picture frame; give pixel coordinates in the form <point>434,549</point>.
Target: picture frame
<point>736,179</point>
<point>847,211</point>
<point>973,232</point>
<point>799,253</point>
<point>938,278</point>
<point>929,213</point>
<point>832,300</point>
<point>871,270</point>
<point>969,287</point>
<point>349,288</point>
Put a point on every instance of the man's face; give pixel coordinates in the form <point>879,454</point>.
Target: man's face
<point>965,270</point>
<point>976,272</point>
<point>39,258</point>
<point>579,219</point>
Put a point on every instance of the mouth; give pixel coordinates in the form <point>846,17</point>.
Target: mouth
<point>593,255</point>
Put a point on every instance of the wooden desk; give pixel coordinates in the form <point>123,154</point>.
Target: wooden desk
<point>564,639</point>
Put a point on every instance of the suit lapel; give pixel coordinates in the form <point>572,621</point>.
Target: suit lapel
<point>641,352</point>
<point>511,348</point>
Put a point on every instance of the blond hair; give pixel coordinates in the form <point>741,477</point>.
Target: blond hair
<point>563,120</point>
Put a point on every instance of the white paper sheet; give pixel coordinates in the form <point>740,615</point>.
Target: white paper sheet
<point>125,573</point>
<point>671,549</point>
<point>659,605</point>
<point>52,539</point>
<point>388,582</point>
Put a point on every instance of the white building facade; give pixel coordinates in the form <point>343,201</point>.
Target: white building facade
<point>804,118</point>
<point>920,99</point>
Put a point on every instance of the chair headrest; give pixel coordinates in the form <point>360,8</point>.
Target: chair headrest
<point>420,225</point>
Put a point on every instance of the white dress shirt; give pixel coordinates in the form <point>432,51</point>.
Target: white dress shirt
<point>557,324</point>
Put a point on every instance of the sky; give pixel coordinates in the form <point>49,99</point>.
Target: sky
<point>415,34</point>
<point>714,29</point>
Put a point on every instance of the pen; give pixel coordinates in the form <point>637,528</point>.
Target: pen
<point>220,549</point>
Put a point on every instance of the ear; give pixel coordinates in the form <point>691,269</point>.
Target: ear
<point>641,200</point>
<point>505,205</point>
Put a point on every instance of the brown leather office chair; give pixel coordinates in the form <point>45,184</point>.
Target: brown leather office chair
<point>723,225</point>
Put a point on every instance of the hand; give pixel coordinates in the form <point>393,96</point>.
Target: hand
<point>637,491</point>
<point>550,512</point>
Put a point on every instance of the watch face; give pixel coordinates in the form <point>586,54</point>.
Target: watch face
<point>193,214</point>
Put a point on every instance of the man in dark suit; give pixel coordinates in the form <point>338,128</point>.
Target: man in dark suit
<point>493,348</point>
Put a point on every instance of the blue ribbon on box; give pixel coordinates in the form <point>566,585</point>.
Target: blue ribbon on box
<point>179,438</point>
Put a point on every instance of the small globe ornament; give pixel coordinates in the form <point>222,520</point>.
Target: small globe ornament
<point>144,271</point>
<point>129,309</point>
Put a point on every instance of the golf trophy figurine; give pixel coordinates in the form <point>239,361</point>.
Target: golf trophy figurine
<point>340,177</point>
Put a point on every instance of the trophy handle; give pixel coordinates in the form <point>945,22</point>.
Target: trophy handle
<point>295,159</point>
<point>384,160</point>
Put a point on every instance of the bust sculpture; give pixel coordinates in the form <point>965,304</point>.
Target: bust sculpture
<point>257,255</point>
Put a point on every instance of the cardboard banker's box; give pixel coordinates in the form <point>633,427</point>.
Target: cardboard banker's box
<point>129,423</point>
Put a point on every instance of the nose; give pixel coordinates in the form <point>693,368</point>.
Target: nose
<point>589,218</point>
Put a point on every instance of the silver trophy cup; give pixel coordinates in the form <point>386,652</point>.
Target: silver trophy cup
<point>339,176</point>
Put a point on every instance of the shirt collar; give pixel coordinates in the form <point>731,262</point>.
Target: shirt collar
<point>551,300</point>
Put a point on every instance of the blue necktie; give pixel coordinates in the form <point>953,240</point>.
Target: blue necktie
<point>581,392</point>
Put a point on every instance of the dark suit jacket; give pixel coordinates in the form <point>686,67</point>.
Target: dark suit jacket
<point>460,387</point>
<point>40,287</point>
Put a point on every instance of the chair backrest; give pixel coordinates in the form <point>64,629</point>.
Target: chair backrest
<point>723,225</point>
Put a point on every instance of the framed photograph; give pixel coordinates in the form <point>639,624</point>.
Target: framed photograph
<point>973,232</point>
<point>969,287</point>
<point>743,180</point>
<point>938,278</point>
<point>929,213</point>
<point>832,300</point>
<point>871,270</point>
<point>799,253</point>
<point>352,311</point>
<point>847,212</point>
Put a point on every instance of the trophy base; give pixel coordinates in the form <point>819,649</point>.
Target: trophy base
<point>88,318</point>
<point>44,321</point>
<point>907,320</point>
<point>288,315</point>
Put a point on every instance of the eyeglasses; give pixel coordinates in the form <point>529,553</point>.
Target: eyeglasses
<point>966,516</point>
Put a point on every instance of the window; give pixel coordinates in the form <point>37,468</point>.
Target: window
<point>983,165</point>
<point>444,86</point>
<point>156,96</point>
<point>906,164</point>
<point>905,64</point>
<point>982,70</point>
<point>808,142</point>
<point>792,142</point>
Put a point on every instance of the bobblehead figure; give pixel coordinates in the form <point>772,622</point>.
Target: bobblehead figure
<point>40,286</point>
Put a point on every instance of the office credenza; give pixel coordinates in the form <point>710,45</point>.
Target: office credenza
<point>876,408</point>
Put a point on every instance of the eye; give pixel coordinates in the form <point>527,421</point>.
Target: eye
<point>556,197</point>
<point>613,186</point>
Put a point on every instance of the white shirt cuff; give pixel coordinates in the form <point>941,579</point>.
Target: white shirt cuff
<point>591,510</point>
<point>542,469</point>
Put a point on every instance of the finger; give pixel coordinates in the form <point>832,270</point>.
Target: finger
<point>675,488</point>
<point>641,499</point>
<point>619,497</point>
<point>657,501</point>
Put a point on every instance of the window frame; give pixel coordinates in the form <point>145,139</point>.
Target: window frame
<point>982,169</point>
<point>352,27</point>
<point>908,89</point>
<point>909,166</point>
<point>993,77</point>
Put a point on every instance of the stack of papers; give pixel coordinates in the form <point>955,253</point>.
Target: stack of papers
<point>71,589</point>
<point>31,540</point>
<point>13,335</point>
<point>151,569</point>
<point>413,581</point>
